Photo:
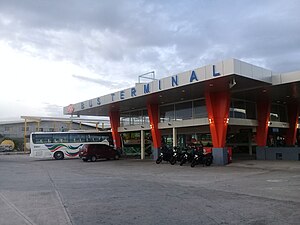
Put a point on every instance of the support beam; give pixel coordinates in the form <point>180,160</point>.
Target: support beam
<point>217,105</point>
<point>263,115</point>
<point>142,144</point>
<point>154,119</point>
<point>174,137</point>
<point>38,125</point>
<point>25,134</point>
<point>115,123</point>
<point>293,114</point>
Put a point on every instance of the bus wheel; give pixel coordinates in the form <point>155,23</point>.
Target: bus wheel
<point>93,158</point>
<point>58,155</point>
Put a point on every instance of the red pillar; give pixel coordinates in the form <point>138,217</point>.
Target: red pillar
<point>293,114</point>
<point>217,105</point>
<point>263,115</point>
<point>115,123</point>
<point>154,120</point>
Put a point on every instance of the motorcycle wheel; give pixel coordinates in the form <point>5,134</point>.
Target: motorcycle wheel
<point>173,160</point>
<point>193,164</point>
<point>181,163</point>
<point>159,159</point>
<point>208,162</point>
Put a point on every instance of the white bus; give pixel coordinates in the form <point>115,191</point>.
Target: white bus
<point>59,145</point>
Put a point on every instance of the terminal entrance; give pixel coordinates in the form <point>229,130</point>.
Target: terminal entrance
<point>131,144</point>
<point>240,139</point>
<point>184,140</point>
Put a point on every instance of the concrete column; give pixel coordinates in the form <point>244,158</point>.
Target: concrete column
<point>220,156</point>
<point>250,143</point>
<point>174,137</point>
<point>115,123</point>
<point>142,144</point>
<point>153,112</point>
<point>25,134</point>
<point>263,113</point>
<point>217,105</point>
<point>293,114</point>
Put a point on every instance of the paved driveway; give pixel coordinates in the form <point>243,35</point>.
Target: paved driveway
<point>141,192</point>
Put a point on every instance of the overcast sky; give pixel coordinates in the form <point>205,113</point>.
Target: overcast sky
<point>57,52</point>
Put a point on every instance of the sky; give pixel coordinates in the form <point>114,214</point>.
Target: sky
<point>60,52</point>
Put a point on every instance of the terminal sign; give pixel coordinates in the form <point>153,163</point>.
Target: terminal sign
<point>146,89</point>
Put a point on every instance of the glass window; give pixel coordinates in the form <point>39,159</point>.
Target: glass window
<point>42,138</point>
<point>239,110</point>
<point>282,113</point>
<point>183,111</point>
<point>200,109</point>
<point>136,118</point>
<point>242,109</point>
<point>278,113</point>
<point>60,138</point>
<point>125,121</point>
<point>231,109</point>
<point>274,115</point>
<point>251,110</point>
<point>167,113</point>
<point>77,138</point>
<point>145,117</point>
<point>27,128</point>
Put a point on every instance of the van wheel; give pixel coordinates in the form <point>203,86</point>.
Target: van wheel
<point>93,158</point>
<point>58,155</point>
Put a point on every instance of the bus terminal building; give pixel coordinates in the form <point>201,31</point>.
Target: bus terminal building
<point>227,104</point>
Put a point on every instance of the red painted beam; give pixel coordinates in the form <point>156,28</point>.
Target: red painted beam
<point>153,113</point>
<point>293,114</point>
<point>263,115</point>
<point>217,105</point>
<point>115,123</point>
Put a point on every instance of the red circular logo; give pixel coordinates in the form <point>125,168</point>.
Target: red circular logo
<point>70,108</point>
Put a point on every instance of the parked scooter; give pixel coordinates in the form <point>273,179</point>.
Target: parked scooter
<point>166,154</point>
<point>203,158</point>
<point>176,156</point>
<point>187,156</point>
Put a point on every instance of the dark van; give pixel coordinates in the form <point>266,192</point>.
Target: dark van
<point>92,152</point>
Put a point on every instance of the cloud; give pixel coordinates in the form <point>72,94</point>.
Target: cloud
<point>106,83</point>
<point>53,110</point>
<point>136,34</point>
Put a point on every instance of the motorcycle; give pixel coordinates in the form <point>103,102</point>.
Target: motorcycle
<point>166,154</point>
<point>176,156</point>
<point>187,156</point>
<point>203,158</point>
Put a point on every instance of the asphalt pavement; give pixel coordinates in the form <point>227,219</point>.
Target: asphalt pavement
<point>131,191</point>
